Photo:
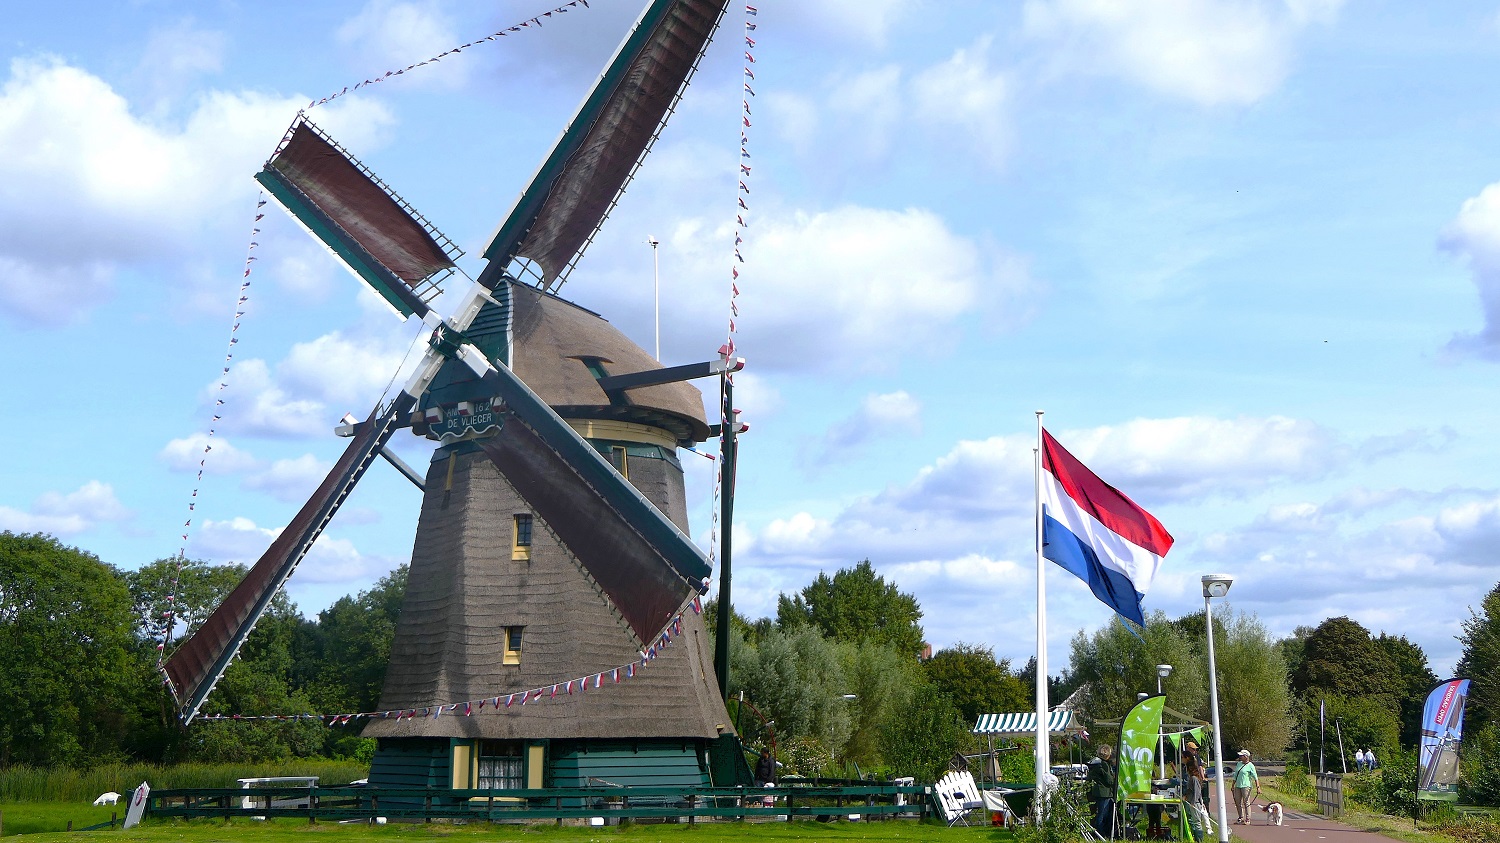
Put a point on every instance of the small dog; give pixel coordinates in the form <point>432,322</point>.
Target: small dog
<point>1273,812</point>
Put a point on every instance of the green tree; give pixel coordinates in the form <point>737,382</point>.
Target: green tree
<point>190,593</point>
<point>880,680</point>
<point>1480,661</point>
<point>1114,664</point>
<point>1413,679</point>
<point>1254,701</point>
<point>353,646</point>
<point>796,679</point>
<point>67,664</point>
<point>1340,657</point>
<point>925,737</point>
<point>853,605</point>
<point>975,682</point>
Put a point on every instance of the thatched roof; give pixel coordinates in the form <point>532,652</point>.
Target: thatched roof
<point>553,342</point>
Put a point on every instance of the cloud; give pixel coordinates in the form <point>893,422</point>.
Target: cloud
<point>290,480</point>
<point>176,55</point>
<point>1474,237</point>
<point>965,99</point>
<point>311,388</point>
<point>1211,52</point>
<point>92,504</point>
<point>389,35</point>
<point>852,288</point>
<point>331,560</point>
<point>110,189</point>
<point>223,458</point>
<point>878,415</point>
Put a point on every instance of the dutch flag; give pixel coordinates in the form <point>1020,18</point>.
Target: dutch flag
<point>1093,530</point>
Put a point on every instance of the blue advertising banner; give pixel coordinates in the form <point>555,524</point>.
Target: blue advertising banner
<point>1442,732</point>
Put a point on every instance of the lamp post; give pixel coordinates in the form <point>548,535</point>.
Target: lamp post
<point>1162,672</point>
<point>1216,585</point>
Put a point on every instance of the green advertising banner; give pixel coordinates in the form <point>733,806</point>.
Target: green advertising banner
<point>1138,735</point>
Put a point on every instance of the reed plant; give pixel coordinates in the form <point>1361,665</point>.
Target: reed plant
<point>62,784</point>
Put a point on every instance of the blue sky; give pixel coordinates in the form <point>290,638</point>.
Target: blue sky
<point>1245,253</point>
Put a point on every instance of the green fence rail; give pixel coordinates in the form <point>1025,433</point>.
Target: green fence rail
<point>868,801</point>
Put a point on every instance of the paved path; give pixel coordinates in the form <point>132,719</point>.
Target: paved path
<point>1303,828</point>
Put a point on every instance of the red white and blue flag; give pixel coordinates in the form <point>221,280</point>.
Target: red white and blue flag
<point>1092,529</point>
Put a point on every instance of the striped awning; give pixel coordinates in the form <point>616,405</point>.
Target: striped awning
<point>1024,723</point>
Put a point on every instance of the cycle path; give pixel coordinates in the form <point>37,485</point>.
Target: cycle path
<point>1303,828</point>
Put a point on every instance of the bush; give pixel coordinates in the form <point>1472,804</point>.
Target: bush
<point>1296,782</point>
<point>1392,789</point>
<point>1063,821</point>
<point>61,784</point>
<point>1480,782</point>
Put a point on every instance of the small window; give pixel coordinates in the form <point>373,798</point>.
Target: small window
<point>521,537</point>
<point>621,460</point>
<point>500,766</point>
<point>513,644</point>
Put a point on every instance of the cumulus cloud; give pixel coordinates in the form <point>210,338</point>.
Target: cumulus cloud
<point>867,114</point>
<point>879,415</point>
<point>92,504</point>
<point>110,188</point>
<point>290,480</point>
<point>1211,52</point>
<point>1474,237</point>
<point>311,388</point>
<point>326,572</point>
<point>222,457</point>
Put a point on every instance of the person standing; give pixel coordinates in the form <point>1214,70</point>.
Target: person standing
<point>1192,782</point>
<point>1102,782</point>
<point>1370,759</point>
<point>765,769</point>
<point>1245,777</point>
<point>1359,760</point>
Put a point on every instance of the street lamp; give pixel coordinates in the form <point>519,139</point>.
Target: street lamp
<point>1162,672</point>
<point>1216,585</point>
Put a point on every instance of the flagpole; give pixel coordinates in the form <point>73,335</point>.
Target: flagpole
<point>1043,747</point>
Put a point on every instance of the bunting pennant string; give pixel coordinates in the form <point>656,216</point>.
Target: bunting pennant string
<point>726,412</point>
<point>469,708</point>
<point>168,620</point>
<point>495,36</point>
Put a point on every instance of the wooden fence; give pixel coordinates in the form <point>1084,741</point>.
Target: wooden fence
<point>1330,789</point>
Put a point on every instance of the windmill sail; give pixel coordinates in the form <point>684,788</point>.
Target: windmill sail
<point>578,184</point>
<point>196,666</point>
<point>375,233</point>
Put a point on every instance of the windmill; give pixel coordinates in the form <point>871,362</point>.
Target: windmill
<point>551,541</point>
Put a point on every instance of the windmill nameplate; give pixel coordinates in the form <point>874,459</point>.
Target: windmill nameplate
<point>464,420</point>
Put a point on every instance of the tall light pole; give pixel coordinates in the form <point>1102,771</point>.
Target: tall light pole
<point>1216,585</point>
<point>656,290</point>
<point>1162,672</point>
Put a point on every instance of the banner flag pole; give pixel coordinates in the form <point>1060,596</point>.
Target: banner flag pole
<point>1043,746</point>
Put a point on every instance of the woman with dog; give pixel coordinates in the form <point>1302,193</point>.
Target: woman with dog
<point>1244,776</point>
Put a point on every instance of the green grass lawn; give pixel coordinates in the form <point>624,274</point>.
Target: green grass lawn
<point>49,819</point>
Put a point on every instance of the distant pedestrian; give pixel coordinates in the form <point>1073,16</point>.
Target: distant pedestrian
<point>765,769</point>
<point>1370,762</point>
<point>1245,777</point>
<point>1359,760</point>
<point>1102,779</point>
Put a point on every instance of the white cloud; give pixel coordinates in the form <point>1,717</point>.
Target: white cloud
<point>222,458</point>
<point>312,388</point>
<point>331,559</point>
<point>1211,52</point>
<point>966,100</point>
<point>864,22</point>
<point>176,55</point>
<point>878,415</point>
<point>1474,236</point>
<point>389,35</point>
<point>110,189</point>
<point>92,504</point>
<point>290,480</point>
